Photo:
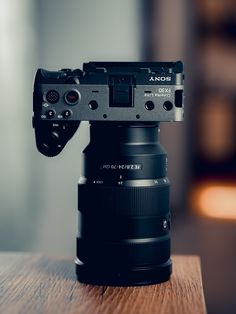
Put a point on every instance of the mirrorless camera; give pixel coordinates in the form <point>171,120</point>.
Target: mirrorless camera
<point>123,192</point>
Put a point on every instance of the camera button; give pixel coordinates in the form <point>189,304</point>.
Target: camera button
<point>72,97</point>
<point>149,105</point>
<point>93,105</point>
<point>54,135</point>
<point>167,105</point>
<point>66,114</point>
<point>50,113</point>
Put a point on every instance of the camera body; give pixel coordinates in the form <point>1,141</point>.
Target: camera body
<point>107,92</point>
<point>123,193</point>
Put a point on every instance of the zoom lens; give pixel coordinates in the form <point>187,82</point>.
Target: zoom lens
<point>123,202</point>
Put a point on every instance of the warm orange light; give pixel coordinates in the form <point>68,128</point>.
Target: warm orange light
<point>215,200</point>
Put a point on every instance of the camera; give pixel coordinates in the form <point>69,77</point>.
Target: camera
<point>123,192</point>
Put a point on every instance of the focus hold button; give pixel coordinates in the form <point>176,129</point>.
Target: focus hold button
<point>50,113</point>
<point>66,114</point>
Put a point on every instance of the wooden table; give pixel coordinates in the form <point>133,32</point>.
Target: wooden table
<point>34,283</point>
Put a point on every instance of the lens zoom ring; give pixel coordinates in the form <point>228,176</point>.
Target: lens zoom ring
<point>123,201</point>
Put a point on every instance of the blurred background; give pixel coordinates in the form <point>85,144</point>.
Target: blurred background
<point>38,194</point>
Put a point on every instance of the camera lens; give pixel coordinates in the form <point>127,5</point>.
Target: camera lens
<point>123,202</point>
<point>72,97</point>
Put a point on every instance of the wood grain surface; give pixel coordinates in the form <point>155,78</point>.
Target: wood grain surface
<point>32,283</point>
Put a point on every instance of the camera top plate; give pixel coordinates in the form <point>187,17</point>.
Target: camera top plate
<point>111,91</point>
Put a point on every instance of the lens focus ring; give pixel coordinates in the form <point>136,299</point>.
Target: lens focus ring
<point>123,201</point>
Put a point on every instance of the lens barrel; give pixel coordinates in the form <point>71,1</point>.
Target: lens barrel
<point>123,207</point>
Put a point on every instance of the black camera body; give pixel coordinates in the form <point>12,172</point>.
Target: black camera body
<point>104,91</point>
<point>123,194</point>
